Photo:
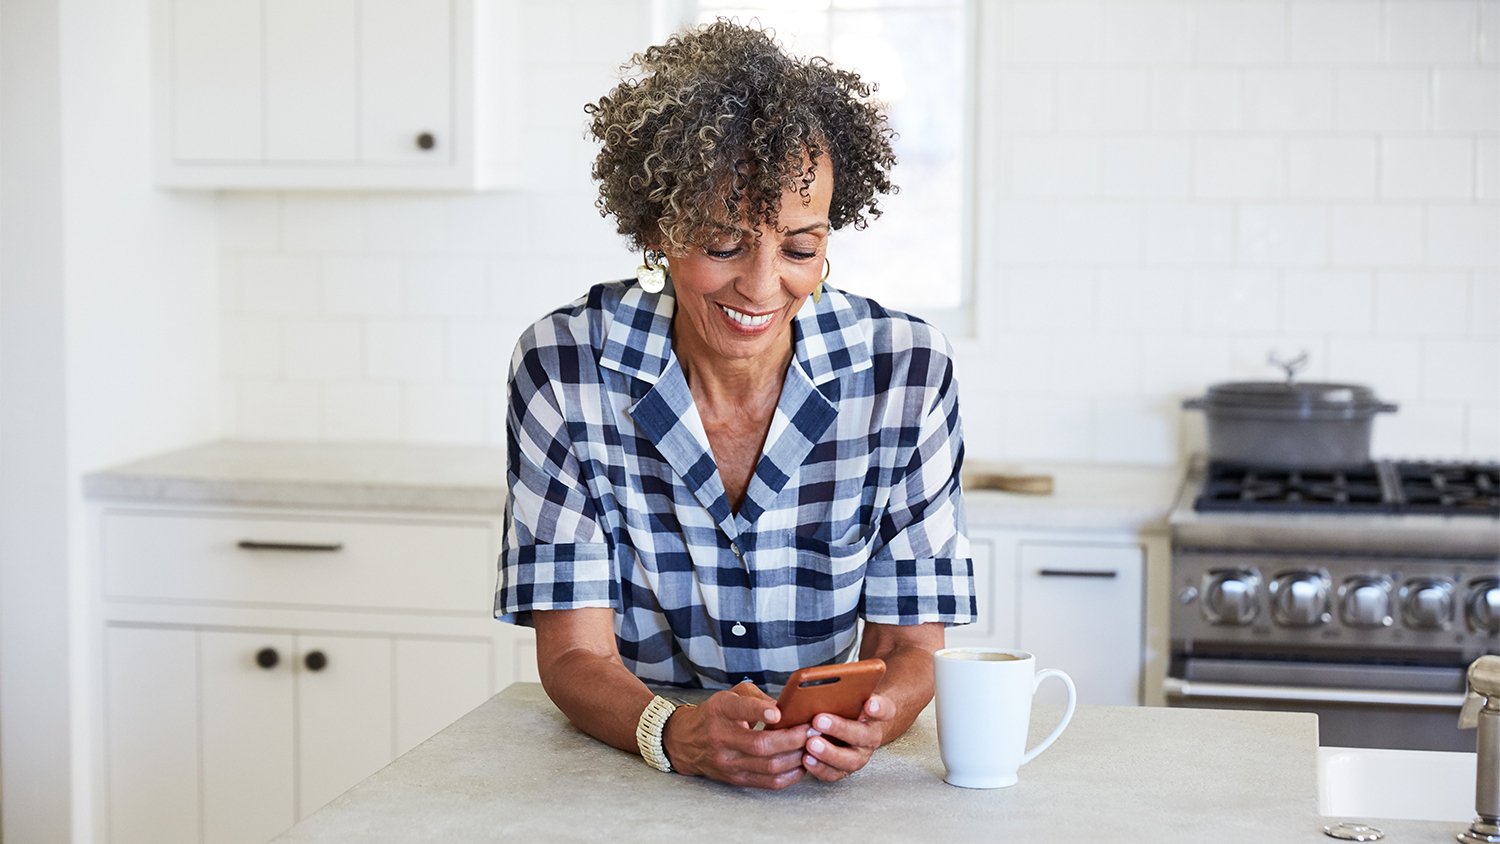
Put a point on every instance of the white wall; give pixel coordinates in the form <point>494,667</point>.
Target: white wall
<point>1172,189</point>
<point>108,316</point>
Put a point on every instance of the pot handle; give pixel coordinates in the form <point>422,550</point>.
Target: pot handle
<point>1387,407</point>
<point>1200,402</point>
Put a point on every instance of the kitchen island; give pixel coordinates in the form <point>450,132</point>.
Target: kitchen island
<point>514,769</point>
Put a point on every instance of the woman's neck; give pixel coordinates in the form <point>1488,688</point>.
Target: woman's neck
<point>731,385</point>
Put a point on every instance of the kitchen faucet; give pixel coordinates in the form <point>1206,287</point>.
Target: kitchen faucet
<point>1482,710</point>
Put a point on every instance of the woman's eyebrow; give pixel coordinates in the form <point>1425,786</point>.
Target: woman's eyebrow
<point>809,228</point>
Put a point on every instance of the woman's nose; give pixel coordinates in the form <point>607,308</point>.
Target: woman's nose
<point>761,278</point>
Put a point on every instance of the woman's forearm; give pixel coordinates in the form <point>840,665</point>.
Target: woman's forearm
<point>599,695</point>
<point>908,682</point>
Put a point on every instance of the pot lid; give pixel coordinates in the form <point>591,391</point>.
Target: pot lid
<point>1304,398</point>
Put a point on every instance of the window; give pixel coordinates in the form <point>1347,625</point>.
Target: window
<point>916,257</point>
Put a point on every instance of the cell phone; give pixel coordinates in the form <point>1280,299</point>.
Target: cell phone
<point>840,690</point>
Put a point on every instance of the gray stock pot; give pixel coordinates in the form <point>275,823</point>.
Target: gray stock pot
<point>1289,425</point>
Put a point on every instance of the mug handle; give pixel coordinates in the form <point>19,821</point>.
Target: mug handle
<point>1067,711</point>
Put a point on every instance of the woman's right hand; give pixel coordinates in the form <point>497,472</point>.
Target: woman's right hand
<point>716,739</point>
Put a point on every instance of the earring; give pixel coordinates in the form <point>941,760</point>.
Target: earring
<point>652,274</point>
<point>818,291</point>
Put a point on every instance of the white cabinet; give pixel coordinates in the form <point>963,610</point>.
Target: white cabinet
<point>1075,600</point>
<point>257,662</point>
<point>345,94</point>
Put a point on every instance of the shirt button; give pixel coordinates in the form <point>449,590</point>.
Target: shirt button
<point>736,549</point>
<point>738,629</point>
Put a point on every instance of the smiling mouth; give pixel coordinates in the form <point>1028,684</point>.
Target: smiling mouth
<point>747,320</point>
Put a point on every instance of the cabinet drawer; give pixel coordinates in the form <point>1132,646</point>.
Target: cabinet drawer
<point>286,560</point>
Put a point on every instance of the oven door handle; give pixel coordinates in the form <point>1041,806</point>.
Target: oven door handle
<point>1174,687</point>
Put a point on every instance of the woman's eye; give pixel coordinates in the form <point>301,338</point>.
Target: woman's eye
<point>801,255</point>
<point>722,253</point>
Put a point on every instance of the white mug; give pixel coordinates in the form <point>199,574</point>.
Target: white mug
<point>984,711</point>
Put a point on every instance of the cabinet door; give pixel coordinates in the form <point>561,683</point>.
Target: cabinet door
<point>995,597</point>
<point>214,84</point>
<point>248,712</point>
<point>406,80</point>
<point>343,714</point>
<point>437,682</point>
<point>1081,610</point>
<point>151,734</point>
<point>312,86</point>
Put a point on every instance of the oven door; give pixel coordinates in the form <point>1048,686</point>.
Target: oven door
<point>1391,706</point>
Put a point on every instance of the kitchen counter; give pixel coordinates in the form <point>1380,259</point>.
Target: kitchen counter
<point>472,479</point>
<point>514,769</point>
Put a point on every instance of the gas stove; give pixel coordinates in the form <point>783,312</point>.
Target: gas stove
<point>1367,589</point>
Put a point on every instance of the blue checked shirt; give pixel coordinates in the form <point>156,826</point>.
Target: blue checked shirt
<point>854,509</point>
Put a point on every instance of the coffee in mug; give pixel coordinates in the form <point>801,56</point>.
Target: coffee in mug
<point>984,712</point>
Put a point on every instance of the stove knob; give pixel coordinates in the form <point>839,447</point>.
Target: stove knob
<point>1366,603</point>
<point>1231,598</point>
<point>1427,604</point>
<point>1484,607</point>
<point>1301,600</point>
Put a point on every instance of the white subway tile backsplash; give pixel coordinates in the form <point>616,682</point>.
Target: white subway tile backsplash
<point>1464,236</point>
<point>1238,168</point>
<point>1057,31</point>
<point>1489,31</point>
<point>358,286</point>
<point>1460,370</point>
<point>1390,366</point>
<point>1381,99</point>
<point>1328,302</point>
<point>1431,303</point>
<point>1093,364</point>
<point>250,346</point>
<point>249,221</point>
<point>1024,232</point>
<point>1331,168</point>
<point>1334,31</point>
<point>1289,100</point>
<point>1484,432</point>
<point>1016,365</point>
<point>1190,234</point>
<point>1262,357</point>
<point>1283,235</point>
<point>1487,168</point>
<point>1484,305</point>
<point>279,284</point>
<point>405,349</point>
<point>1182,364</point>
<point>480,349</point>
<point>496,223</point>
<point>1135,430</point>
<point>362,411</point>
<point>279,410</point>
<point>1431,31</point>
<point>1146,168</point>
<point>445,286</point>
<point>1374,235</point>
<point>1144,299</point>
<point>1037,428</point>
<point>406,224</point>
<point>1242,31</point>
<point>1052,166</point>
<point>1235,301</point>
<point>1196,100</point>
<point>1049,297</point>
<point>607,32</point>
<point>1101,233</point>
<point>324,348</point>
<point>1025,99</point>
<point>1426,168</point>
<point>1466,99</point>
<point>1111,99</point>
<point>444,413</point>
<point>1148,32</point>
<point>320,222</point>
<point>1421,430</point>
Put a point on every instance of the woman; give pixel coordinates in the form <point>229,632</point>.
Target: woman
<point>717,468</point>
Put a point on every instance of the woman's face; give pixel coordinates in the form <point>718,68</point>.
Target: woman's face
<point>736,297</point>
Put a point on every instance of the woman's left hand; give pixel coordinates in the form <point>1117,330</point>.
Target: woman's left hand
<point>828,761</point>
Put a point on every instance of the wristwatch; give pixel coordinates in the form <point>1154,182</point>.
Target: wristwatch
<point>648,733</point>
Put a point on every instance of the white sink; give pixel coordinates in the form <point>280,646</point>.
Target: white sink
<point>1419,785</point>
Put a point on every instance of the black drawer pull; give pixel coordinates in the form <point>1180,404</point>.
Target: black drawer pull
<point>1106,574</point>
<point>255,545</point>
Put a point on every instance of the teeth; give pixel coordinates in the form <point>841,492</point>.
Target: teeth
<point>746,319</point>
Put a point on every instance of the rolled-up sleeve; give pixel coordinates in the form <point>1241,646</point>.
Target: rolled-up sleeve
<point>920,570</point>
<point>555,552</point>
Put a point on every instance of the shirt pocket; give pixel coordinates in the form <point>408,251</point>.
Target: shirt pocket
<point>827,581</point>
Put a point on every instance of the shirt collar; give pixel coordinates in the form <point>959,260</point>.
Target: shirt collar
<point>829,338</point>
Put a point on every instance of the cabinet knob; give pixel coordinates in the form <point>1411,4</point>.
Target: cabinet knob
<point>426,140</point>
<point>267,658</point>
<point>315,661</point>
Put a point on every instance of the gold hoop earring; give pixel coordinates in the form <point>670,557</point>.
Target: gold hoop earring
<point>651,275</point>
<point>818,291</point>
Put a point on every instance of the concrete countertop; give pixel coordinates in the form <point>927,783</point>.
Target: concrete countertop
<point>514,769</point>
<point>472,479</point>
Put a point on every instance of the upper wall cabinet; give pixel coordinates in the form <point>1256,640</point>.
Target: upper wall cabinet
<point>340,94</point>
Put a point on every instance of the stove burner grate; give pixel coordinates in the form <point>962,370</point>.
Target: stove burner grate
<point>1433,488</point>
<point>1449,488</point>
